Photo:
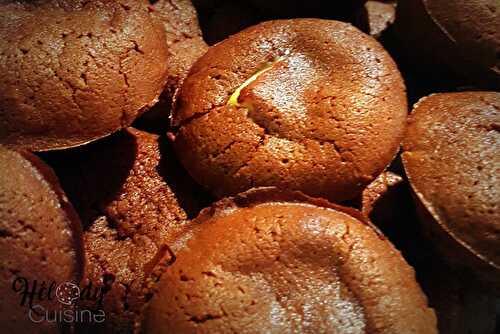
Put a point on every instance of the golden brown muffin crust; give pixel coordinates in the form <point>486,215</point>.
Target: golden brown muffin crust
<point>40,239</point>
<point>325,114</point>
<point>452,161</point>
<point>75,71</point>
<point>267,261</point>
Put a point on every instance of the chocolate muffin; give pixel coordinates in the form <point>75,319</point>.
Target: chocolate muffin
<point>465,34</point>
<point>93,68</point>
<point>376,17</point>
<point>306,104</point>
<point>40,244</point>
<point>134,200</point>
<point>460,305</point>
<point>452,161</point>
<point>269,261</point>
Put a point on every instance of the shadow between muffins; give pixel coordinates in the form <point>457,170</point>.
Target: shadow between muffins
<point>86,188</point>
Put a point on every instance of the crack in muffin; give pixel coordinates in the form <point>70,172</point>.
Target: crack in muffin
<point>234,99</point>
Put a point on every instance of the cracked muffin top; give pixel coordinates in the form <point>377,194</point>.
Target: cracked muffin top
<point>75,71</point>
<point>134,200</point>
<point>450,155</point>
<point>280,262</point>
<point>306,104</point>
<point>40,239</point>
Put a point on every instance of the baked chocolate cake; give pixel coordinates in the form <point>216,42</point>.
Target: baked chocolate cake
<point>377,193</point>
<point>451,159</point>
<point>93,68</point>
<point>306,104</point>
<point>40,245</point>
<point>461,305</point>
<point>270,261</point>
<point>286,112</point>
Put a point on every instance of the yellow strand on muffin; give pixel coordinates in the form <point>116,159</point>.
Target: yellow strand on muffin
<point>233,99</point>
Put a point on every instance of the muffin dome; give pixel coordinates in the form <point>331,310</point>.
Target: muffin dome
<point>267,261</point>
<point>40,240</point>
<point>465,34</point>
<point>92,69</point>
<point>451,159</point>
<point>305,104</point>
